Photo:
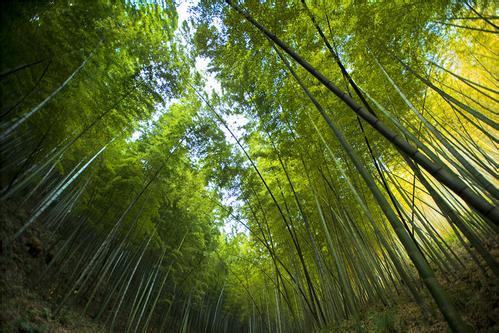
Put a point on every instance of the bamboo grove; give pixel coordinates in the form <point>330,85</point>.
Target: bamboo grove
<point>361,162</point>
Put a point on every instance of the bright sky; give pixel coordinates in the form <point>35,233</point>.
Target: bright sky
<point>235,122</point>
<point>201,63</point>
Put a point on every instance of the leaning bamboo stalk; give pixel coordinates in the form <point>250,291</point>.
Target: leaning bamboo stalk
<point>445,306</point>
<point>488,186</point>
<point>37,108</point>
<point>447,177</point>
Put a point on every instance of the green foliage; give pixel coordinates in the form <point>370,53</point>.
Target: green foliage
<point>111,140</point>
<point>385,322</point>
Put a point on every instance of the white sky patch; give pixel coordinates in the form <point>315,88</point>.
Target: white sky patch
<point>211,84</point>
<point>135,136</point>
<point>236,123</point>
<point>232,224</point>
<point>183,10</point>
<point>149,123</point>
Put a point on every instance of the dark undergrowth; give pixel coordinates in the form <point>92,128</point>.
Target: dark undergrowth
<point>28,306</point>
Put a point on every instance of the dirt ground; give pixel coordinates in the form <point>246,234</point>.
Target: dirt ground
<point>25,306</point>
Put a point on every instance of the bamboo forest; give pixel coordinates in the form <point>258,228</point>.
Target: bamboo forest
<point>249,166</point>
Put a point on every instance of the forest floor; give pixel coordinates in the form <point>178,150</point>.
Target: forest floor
<point>25,308</point>
<point>475,295</point>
